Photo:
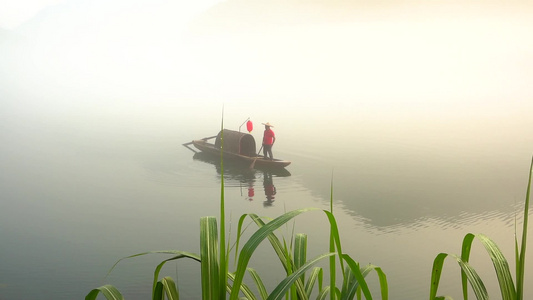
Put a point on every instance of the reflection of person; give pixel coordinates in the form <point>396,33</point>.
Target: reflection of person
<point>251,191</point>
<point>268,140</point>
<point>270,189</point>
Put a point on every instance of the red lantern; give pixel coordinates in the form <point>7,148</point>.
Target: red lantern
<point>249,126</point>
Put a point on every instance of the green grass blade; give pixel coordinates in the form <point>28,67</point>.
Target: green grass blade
<point>332,266</point>
<point>349,285</point>
<point>222,263</point>
<point>158,293</point>
<point>473,278</point>
<point>314,277</point>
<point>209,255</point>
<point>300,251</point>
<point>239,234</point>
<point>254,241</point>
<point>384,286</point>
<point>503,272</point>
<point>520,267</point>
<point>247,292</point>
<point>158,268</point>
<point>475,281</point>
<point>335,246</point>
<point>286,283</point>
<point>278,247</point>
<point>259,283</point>
<point>283,254</point>
<point>359,276</point>
<point>110,293</point>
<point>436,272</point>
<point>179,253</point>
<point>171,289</point>
<point>465,256</point>
<point>332,263</point>
<point>501,266</point>
<point>322,295</point>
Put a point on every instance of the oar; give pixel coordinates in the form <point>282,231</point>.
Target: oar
<point>253,162</point>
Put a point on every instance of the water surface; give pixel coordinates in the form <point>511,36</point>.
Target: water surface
<point>80,193</point>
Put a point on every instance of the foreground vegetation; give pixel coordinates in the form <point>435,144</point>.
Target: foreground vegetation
<point>304,280</point>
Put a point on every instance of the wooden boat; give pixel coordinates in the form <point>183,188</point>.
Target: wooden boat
<point>238,170</point>
<point>237,146</point>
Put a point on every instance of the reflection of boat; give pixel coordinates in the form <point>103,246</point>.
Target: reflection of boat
<point>240,175</point>
<point>238,146</point>
<point>237,169</point>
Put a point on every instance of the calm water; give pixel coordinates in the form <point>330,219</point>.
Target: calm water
<point>420,114</point>
<point>84,188</point>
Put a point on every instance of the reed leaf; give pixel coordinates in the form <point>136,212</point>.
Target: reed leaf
<point>359,281</point>
<point>178,255</point>
<point>223,274</point>
<point>465,256</point>
<point>521,257</point>
<point>384,286</point>
<point>436,273</point>
<point>239,235</point>
<point>247,292</point>
<point>167,287</point>
<point>253,243</point>
<point>110,293</point>
<point>475,281</point>
<point>332,264</point>
<point>171,289</point>
<point>158,268</point>
<point>348,285</point>
<point>158,293</point>
<point>334,246</point>
<point>300,251</point>
<point>314,277</point>
<point>259,283</point>
<point>283,255</point>
<point>286,283</point>
<point>473,278</point>
<point>322,295</point>
<point>501,266</point>
<point>209,255</point>
<point>222,269</point>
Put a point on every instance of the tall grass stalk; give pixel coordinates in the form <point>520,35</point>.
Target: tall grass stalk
<point>521,257</point>
<point>332,261</point>
<point>223,271</point>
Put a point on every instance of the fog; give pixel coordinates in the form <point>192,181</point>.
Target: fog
<point>399,71</point>
<point>422,108</point>
<point>391,56</point>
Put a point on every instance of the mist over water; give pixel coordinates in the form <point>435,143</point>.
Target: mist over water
<point>420,115</point>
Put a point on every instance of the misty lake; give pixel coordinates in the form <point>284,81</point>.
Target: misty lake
<point>82,190</point>
<point>417,115</point>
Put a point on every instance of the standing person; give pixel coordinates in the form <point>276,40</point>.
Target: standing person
<point>268,140</point>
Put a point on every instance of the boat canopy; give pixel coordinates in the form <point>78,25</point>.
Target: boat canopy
<point>237,142</point>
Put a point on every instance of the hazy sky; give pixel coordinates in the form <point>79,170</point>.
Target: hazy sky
<point>14,13</point>
<point>414,55</point>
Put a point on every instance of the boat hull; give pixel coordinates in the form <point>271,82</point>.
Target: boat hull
<point>256,161</point>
